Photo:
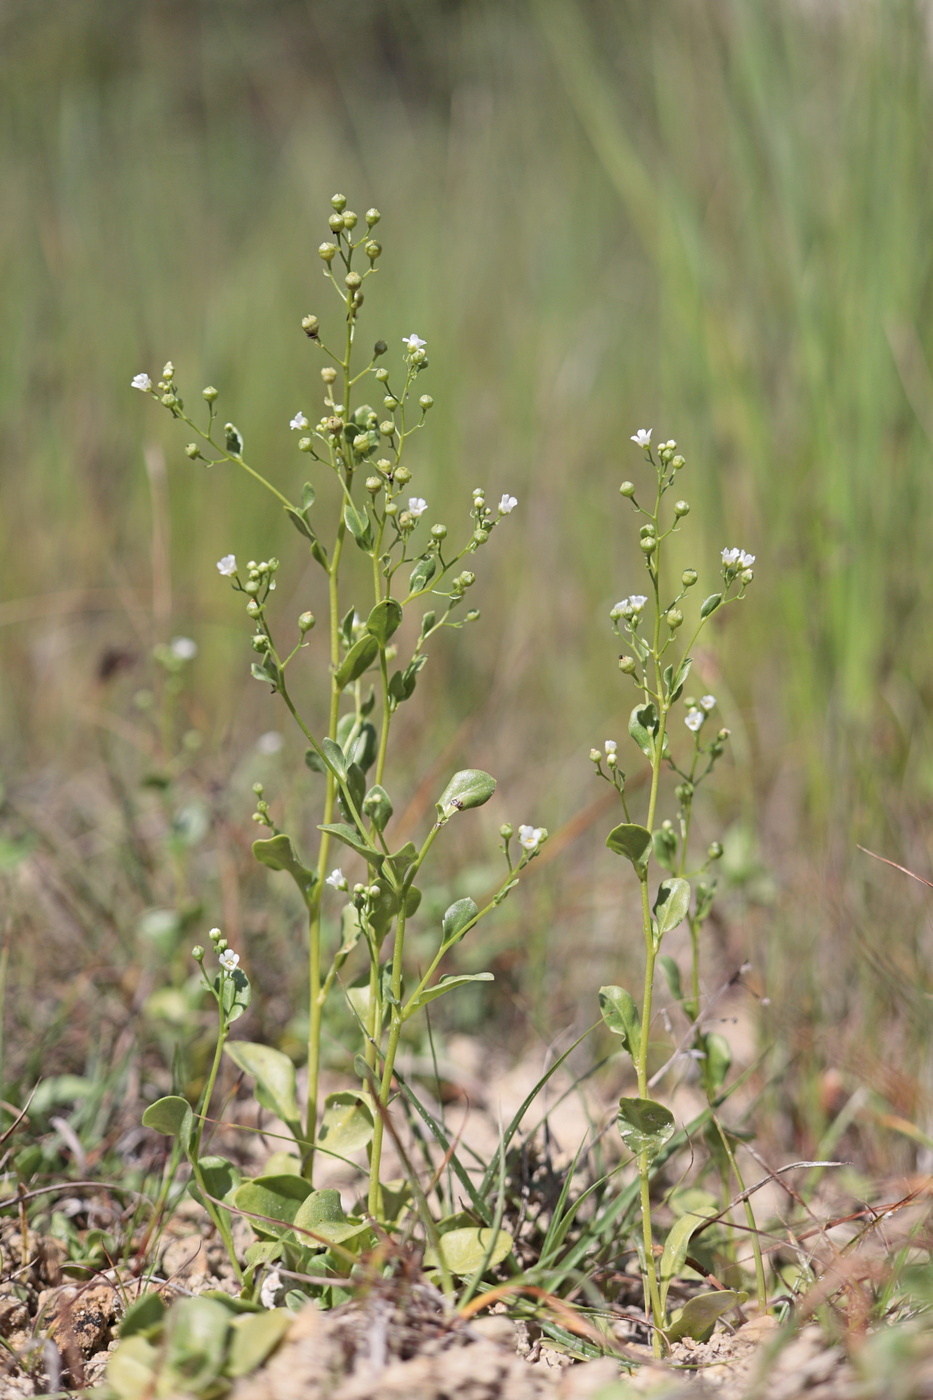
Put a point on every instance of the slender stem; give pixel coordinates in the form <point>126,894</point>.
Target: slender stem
<point>760,1280</point>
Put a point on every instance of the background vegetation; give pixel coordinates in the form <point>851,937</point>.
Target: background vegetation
<point>707,216</point>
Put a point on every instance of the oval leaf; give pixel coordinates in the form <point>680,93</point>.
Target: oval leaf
<point>671,905</point>
<point>675,1249</point>
<point>621,1016</point>
<point>234,991</point>
<point>220,1177</point>
<point>322,1215</point>
<point>468,1249</point>
<point>377,806</point>
<point>643,726</point>
<point>460,913</point>
<point>276,1198</point>
<point>254,1337</point>
<point>195,1343</point>
<point>711,604</point>
<point>471,787</point>
<point>354,840</point>
<point>632,841</point>
<point>346,1123</point>
<point>698,1317</point>
<point>336,757</point>
<point>357,660</point>
<point>384,620</point>
<point>274,1074</point>
<point>447,984</point>
<point>171,1116</point>
<point>278,853</point>
<point>422,574</point>
<point>644,1126</point>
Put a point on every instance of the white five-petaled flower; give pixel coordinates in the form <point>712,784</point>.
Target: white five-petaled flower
<point>417,505</point>
<point>227,565</point>
<point>143,382</point>
<point>630,607</point>
<point>737,559</point>
<point>299,421</point>
<point>642,437</point>
<point>507,504</point>
<point>708,703</point>
<point>530,837</point>
<point>413,342</point>
<point>229,959</point>
<point>694,718</point>
<point>184,648</point>
<point>337,880</point>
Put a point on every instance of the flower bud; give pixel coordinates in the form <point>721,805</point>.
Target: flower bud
<point>674,618</point>
<point>382,375</point>
<point>193,451</point>
<point>380,348</point>
<point>350,219</point>
<point>403,476</point>
<point>168,370</point>
<point>506,831</point>
<point>646,530</point>
<point>390,403</point>
<point>372,249</point>
<point>723,735</point>
<point>628,665</point>
<point>681,508</point>
<point>305,444</point>
<point>336,223</point>
<point>387,428</point>
<point>627,489</point>
<point>197,952</point>
<point>715,851</point>
<point>327,251</point>
<point>252,585</point>
<point>684,791</point>
<point>168,400</point>
<point>328,374</point>
<point>339,202</point>
<point>747,575</point>
<point>334,425</point>
<point>372,217</point>
<point>306,622</point>
<point>260,642</point>
<point>677,463</point>
<point>253,609</point>
<point>374,485</point>
<point>426,402</point>
<point>466,579</point>
<point>353,280</point>
<point>648,544</point>
<point>438,532</point>
<point>209,394</point>
<point>595,756</point>
<point>689,577</point>
<point>472,615</point>
<point>480,536</point>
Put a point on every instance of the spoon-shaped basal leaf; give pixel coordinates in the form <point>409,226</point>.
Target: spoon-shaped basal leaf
<point>465,1249</point>
<point>645,1126</point>
<point>698,1317</point>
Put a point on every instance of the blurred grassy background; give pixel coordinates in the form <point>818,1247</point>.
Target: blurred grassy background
<point>711,217</point>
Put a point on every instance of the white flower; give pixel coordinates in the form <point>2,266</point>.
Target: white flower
<point>507,504</point>
<point>143,382</point>
<point>530,837</point>
<point>215,933</point>
<point>708,703</point>
<point>270,742</point>
<point>745,560</point>
<point>299,421</point>
<point>693,719</point>
<point>229,959</point>
<point>642,437</point>
<point>417,505</point>
<point>630,607</point>
<point>227,565</point>
<point>610,746</point>
<point>737,559</point>
<point>413,342</point>
<point>337,880</point>
<point>184,648</point>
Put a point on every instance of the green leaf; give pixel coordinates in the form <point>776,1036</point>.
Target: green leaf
<point>357,660</point>
<point>274,1074</point>
<point>377,806</point>
<point>468,1249</point>
<point>234,991</point>
<point>300,523</point>
<point>233,440</point>
<point>671,976</point>
<point>680,679</point>
<point>131,1370</point>
<point>352,838</point>
<point>195,1343</point>
<point>384,620</point>
<point>620,1014</point>
<point>359,741</point>
<point>255,1336</point>
<point>144,1316</point>
<point>698,1317</point>
<point>307,496</point>
<point>346,1123</point>
<point>456,918</point>
<point>221,1178</point>
<point>278,853</point>
<point>171,1116</point>
<point>275,1197</point>
<point>671,905</point>
<point>675,1249</point>
<point>643,725</point>
<point>359,525</point>
<point>422,574</point>
<point>633,842</point>
<point>718,1060</point>
<point>355,790</point>
<point>404,857</point>
<point>471,787</point>
<point>447,984</point>
<point>335,757</point>
<point>711,604</point>
<point>644,1126</point>
<point>322,1214</point>
<point>402,684</point>
<point>268,673</point>
<point>665,848</point>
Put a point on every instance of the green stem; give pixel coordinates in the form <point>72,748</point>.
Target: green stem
<point>760,1281</point>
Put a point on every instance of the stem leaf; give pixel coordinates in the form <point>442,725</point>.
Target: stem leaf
<point>621,1016</point>
<point>447,984</point>
<point>278,853</point>
<point>644,1126</point>
<point>471,787</point>
<point>643,726</point>
<point>633,842</point>
<point>671,904</point>
<point>422,574</point>
<point>359,525</point>
<point>274,1074</point>
<point>461,913</point>
<point>346,1123</point>
<point>675,1249</point>
<point>710,606</point>
<point>384,620</point>
<point>171,1116</point>
<point>357,660</point>
<point>234,991</point>
<point>352,838</point>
